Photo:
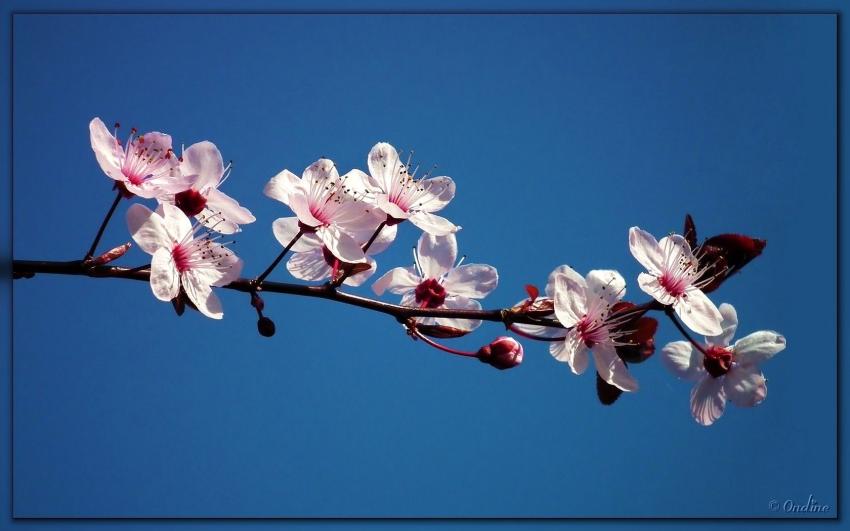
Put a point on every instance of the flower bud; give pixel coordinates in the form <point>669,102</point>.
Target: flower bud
<point>265,326</point>
<point>110,255</point>
<point>503,353</point>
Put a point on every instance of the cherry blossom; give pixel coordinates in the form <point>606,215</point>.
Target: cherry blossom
<point>145,166</point>
<point>437,280</point>
<point>401,196</point>
<point>583,305</point>
<point>180,260</point>
<point>215,210</point>
<point>327,209</point>
<point>319,263</point>
<point>725,371</point>
<point>674,278</point>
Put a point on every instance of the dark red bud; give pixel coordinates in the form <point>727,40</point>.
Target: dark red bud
<point>126,194</point>
<point>532,291</point>
<point>191,202</point>
<point>641,342</point>
<point>393,221</point>
<point>265,326</point>
<point>179,305</point>
<point>690,231</point>
<point>503,353</point>
<point>607,393</point>
<point>110,255</point>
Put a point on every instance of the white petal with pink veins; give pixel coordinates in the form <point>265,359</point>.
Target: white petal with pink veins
<point>729,323</point>
<point>399,280</point>
<point>758,347</point>
<point>164,279</point>
<point>436,254</point>
<point>683,360</point>
<point>107,151</point>
<point>745,386</point>
<point>229,214</point>
<point>697,311</point>
<point>282,185</point>
<point>201,294</point>
<point>570,301</point>
<point>475,281</point>
<point>650,285</point>
<point>646,250</point>
<point>285,229</point>
<point>607,285</point>
<point>341,244</point>
<point>385,166</point>
<point>571,351</point>
<point>147,229</point>
<point>433,224</point>
<point>708,400</point>
<point>204,160</point>
<point>612,369</point>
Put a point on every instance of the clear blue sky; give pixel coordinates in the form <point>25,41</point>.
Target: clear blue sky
<point>561,133</point>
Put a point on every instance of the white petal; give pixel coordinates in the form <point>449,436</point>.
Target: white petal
<point>612,369</point>
<point>385,166</point>
<point>729,325</point>
<point>758,347</point>
<point>745,386</point>
<point>650,285</point>
<point>341,245</point>
<point>282,185</point>
<point>300,205</point>
<point>359,182</point>
<point>570,299</point>
<point>229,214</point>
<point>201,294</point>
<point>310,266</point>
<point>147,229</point>
<point>571,351</point>
<point>382,201</point>
<point>708,400</point>
<point>203,160</point>
<point>475,281</point>
<point>607,284</point>
<point>164,280</point>
<point>697,311</point>
<point>399,280</point>
<point>106,149</point>
<point>433,224</point>
<point>460,303</point>
<point>683,360</point>
<point>318,175</point>
<point>676,251</point>
<point>561,270</point>
<point>646,250</point>
<point>354,216</point>
<point>176,223</point>
<point>437,254</point>
<point>286,228</point>
<point>440,191</point>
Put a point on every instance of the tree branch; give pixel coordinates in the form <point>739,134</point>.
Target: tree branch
<point>28,268</point>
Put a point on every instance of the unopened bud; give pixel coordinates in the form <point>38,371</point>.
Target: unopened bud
<point>265,326</point>
<point>113,254</point>
<point>503,353</point>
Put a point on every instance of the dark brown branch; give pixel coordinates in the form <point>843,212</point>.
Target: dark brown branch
<point>28,268</point>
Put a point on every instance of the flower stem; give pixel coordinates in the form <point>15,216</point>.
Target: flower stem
<point>416,333</point>
<point>519,332</point>
<point>259,280</point>
<point>671,314</point>
<point>103,225</point>
<point>337,282</point>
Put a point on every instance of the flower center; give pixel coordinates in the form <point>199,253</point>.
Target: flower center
<point>430,294</point>
<point>591,331</point>
<point>181,255</point>
<point>718,360</point>
<point>191,202</point>
<point>674,285</point>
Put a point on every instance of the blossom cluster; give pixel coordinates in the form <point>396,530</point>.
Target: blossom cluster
<point>341,222</point>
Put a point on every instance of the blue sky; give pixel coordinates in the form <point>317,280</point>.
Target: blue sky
<point>561,133</point>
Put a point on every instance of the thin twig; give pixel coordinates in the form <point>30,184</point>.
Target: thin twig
<point>103,225</point>
<point>259,280</point>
